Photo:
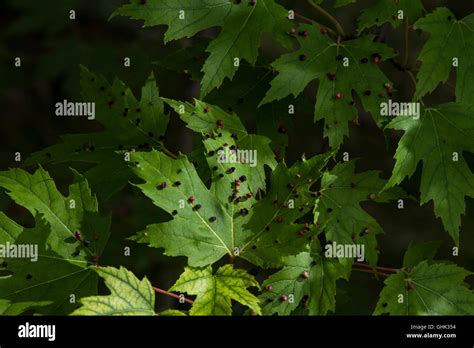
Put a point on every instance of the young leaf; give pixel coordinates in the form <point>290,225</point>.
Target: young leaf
<point>338,211</point>
<point>215,291</point>
<point>128,295</point>
<point>391,11</point>
<point>451,44</point>
<point>436,289</point>
<point>242,26</point>
<point>61,268</point>
<point>321,58</point>
<point>129,124</point>
<point>438,139</point>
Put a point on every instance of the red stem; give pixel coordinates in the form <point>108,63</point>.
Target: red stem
<point>167,293</point>
<point>386,269</point>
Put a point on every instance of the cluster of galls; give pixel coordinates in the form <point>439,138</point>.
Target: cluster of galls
<point>284,297</point>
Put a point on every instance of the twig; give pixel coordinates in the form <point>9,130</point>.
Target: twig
<point>167,293</point>
<point>386,269</point>
<point>370,271</point>
<point>328,16</point>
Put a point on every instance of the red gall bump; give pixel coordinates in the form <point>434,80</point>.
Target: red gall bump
<point>237,182</point>
<point>206,109</point>
<point>410,286</point>
<point>253,2</point>
<point>219,124</point>
<point>283,298</point>
<point>331,76</point>
<point>376,58</point>
<point>191,199</point>
<point>293,31</point>
<point>305,274</point>
<point>324,30</point>
<point>249,194</point>
<point>269,287</point>
<point>78,235</point>
<point>303,33</point>
<point>338,95</point>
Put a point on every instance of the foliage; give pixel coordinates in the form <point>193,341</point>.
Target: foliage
<point>255,228</point>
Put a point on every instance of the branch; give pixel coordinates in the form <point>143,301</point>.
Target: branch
<point>370,271</point>
<point>379,268</point>
<point>167,293</point>
<point>328,16</point>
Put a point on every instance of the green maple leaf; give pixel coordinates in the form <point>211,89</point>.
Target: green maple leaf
<point>128,295</point>
<point>214,292</point>
<point>427,289</point>
<point>438,139</point>
<point>61,269</point>
<point>203,118</point>
<point>383,11</point>
<point>320,56</point>
<point>338,211</point>
<point>449,39</point>
<point>242,26</point>
<point>129,123</point>
<point>307,278</point>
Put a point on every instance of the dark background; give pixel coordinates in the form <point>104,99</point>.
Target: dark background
<point>52,46</point>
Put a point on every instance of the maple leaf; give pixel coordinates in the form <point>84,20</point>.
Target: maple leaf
<point>438,139</point>
<point>307,278</point>
<point>129,124</point>
<point>319,57</point>
<point>449,39</point>
<point>128,295</point>
<point>383,11</point>
<point>427,289</point>
<point>215,291</point>
<point>338,211</point>
<point>61,268</point>
<point>242,26</point>
<point>208,119</point>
